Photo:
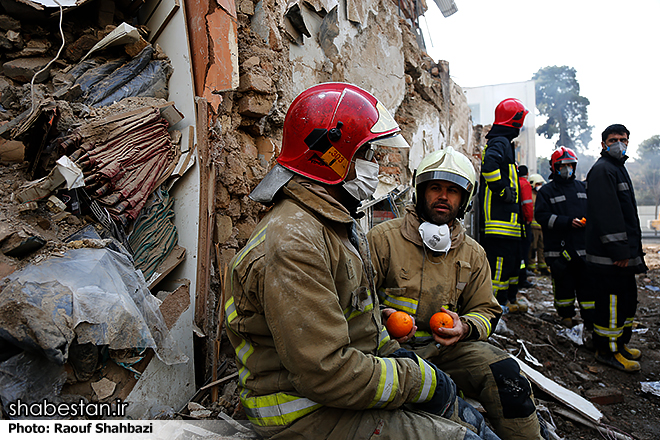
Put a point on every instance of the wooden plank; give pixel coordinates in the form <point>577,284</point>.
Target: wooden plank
<point>161,17</point>
<point>175,258</point>
<point>203,238</point>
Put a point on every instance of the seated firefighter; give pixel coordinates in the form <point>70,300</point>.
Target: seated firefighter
<point>314,358</point>
<point>426,263</point>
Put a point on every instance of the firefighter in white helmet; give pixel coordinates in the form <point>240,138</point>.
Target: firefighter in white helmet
<point>426,263</point>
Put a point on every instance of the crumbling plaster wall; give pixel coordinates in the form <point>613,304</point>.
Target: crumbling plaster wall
<point>376,50</point>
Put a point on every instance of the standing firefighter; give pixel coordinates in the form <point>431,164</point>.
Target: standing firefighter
<point>499,194</point>
<point>614,251</point>
<point>314,358</point>
<point>561,210</point>
<point>426,263</point>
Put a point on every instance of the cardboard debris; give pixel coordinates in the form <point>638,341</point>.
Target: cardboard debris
<point>564,395</point>
<point>66,172</point>
<point>122,34</point>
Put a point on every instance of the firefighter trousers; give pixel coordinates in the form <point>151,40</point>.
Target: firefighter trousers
<point>341,424</point>
<point>504,259</point>
<point>570,282</point>
<point>491,376</point>
<point>616,305</point>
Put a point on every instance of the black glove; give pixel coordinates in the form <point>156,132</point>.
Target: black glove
<point>508,195</point>
<point>444,397</point>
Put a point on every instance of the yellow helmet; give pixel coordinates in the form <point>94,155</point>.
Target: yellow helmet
<point>452,166</point>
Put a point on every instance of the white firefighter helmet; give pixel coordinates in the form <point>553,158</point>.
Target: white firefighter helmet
<point>449,165</point>
<point>535,179</point>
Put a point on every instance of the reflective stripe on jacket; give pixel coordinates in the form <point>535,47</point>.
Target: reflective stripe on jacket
<point>498,170</point>
<point>558,202</point>
<point>410,278</point>
<point>304,320</point>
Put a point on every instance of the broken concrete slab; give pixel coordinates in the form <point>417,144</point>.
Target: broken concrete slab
<point>23,69</point>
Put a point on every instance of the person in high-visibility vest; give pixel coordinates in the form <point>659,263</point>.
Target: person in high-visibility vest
<point>499,191</point>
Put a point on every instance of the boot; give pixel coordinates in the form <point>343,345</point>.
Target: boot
<point>632,354</point>
<point>616,360</point>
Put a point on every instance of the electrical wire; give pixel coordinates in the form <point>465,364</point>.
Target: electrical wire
<point>51,61</point>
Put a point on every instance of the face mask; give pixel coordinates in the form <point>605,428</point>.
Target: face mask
<point>437,238</point>
<point>566,172</point>
<point>365,182</point>
<point>617,150</point>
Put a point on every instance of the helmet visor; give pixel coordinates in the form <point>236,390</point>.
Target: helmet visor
<point>459,180</point>
<point>396,141</point>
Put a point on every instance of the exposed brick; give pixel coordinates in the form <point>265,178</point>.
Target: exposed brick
<point>246,7</point>
<point>604,396</point>
<point>245,229</point>
<point>251,62</point>
<point>223,228</point>
<point>255,106</point>
<point>256,82</point>
<point>265,147</point>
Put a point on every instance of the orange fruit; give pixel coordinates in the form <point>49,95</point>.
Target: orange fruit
<point>441,320</point>
<point>399,324</point>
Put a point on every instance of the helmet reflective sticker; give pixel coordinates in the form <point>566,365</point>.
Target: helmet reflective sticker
<point>385,122</point>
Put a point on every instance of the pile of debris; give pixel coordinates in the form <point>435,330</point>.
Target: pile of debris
<point>87,160</point>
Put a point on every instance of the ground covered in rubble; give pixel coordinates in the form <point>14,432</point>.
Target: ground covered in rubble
<point>627,409</point>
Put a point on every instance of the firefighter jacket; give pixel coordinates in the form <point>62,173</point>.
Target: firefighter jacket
<point>498,171</point>
<point>558,202</point>
<point>410,278</point>
<point>303,317</point>
<point>613,229</point>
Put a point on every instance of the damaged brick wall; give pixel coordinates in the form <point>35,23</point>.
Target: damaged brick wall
<point>285,47</point>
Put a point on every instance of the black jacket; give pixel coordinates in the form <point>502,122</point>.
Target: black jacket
<point>613,230</point>
<point>558,202</point>
<point>498,171</point>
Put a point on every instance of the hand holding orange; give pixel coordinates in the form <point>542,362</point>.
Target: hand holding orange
<point>441,320</point>
<point>399,324</point>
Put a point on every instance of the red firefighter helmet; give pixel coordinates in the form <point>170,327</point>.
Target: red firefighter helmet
<point>327,123</point>
<point>560,156</point>
<point>510,113</point>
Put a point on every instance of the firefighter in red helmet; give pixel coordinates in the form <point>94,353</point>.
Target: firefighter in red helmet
<point>561,210</point>
<point>314,358</point>
<point>500,218</point>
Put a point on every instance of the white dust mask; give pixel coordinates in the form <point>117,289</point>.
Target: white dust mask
<point>365,182</point>
<point>437,238</point>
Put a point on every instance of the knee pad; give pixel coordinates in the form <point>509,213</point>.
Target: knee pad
<point>514,390</point>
